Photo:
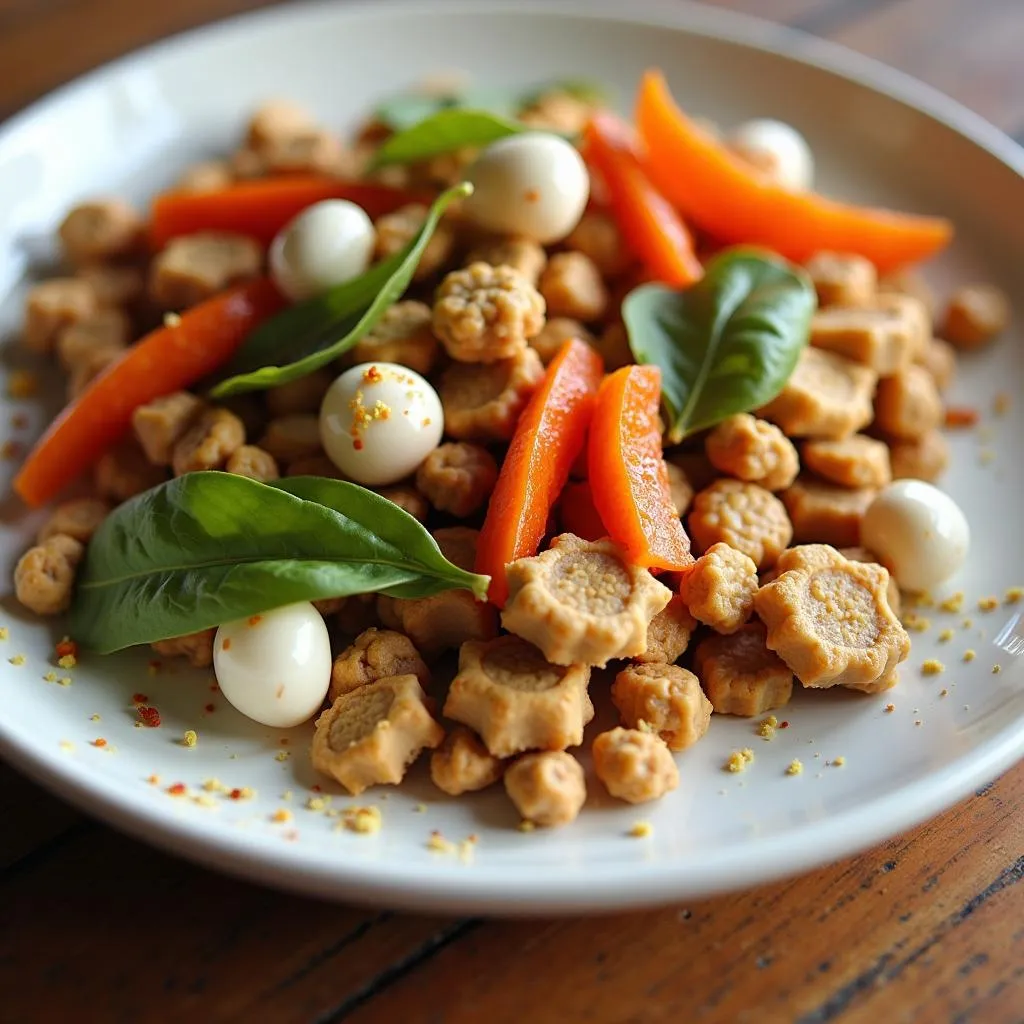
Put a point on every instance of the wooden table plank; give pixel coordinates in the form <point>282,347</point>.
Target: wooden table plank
<point>31,817</point>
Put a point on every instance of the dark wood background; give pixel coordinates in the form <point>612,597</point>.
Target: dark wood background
<point>927,928</point>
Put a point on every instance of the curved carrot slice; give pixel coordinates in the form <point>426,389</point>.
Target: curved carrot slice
<point>261,208</point>
<point>550,434</point>
<point>723,195</point>
<point>648,222</point>
<point>166,360</point>
<point>577,512</point>
<point>628,478</point>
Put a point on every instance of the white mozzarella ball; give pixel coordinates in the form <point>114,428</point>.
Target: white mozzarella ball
<point>776,148</point>
<point>275,667</point>
<point>534,185</point>
<point>328,243</point>
<point>918,531</point>
<point>379,421</point>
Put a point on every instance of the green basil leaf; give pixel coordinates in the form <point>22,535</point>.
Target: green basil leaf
<point>207,548</point>
<point>315,332</point>
<point>443,132</point>
<point>728,344</point>
<point>406,109</point>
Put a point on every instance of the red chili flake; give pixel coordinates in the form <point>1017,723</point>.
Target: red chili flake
<point>235,794</point>
<point>357,444</point>
<point>178,789</point>
<point>372,375</point>
<point>214,688</point>
<point>226,645</point>
<point>255,620</point>
<point>149,716</point>
<point>67,648</point>
<point>99,742</point>
<point>139,698</point>
<point>284,741</point>
<point>961,416</point>
<point>210,708</point>
<point>316,787</point>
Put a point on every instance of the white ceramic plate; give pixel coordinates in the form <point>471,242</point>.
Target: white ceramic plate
<point>878,136</point>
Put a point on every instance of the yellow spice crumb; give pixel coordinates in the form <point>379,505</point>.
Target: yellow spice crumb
<point>67,746</point>
<point>3,633</point>
<point>932,667</point>
<point>67,661</point>
<point>204,800</point>
<point>943,692</point>
<point>970,655</point>
<point>795,767</point>
<point>154,780</point>
<point>739,759</point>
<point>1014,595</point>
<point>917,623</point>
<point>65,681</point>
<point>95,718</point>
<point>362,819</point>
<point>22,384</point>
<point>282,814</point>
<point>243,793</point>
<point>214,786</point>
<point>50,677</point>
<point>967,623</point>
<point>282,755</point>
<point>190,739</point>
<point>641,830</point>
<point>420,809</point>
<point>526,825</point>
<point>287,795</point>
<point>986,457</point>
<point>890,708</point>
<point>945,636</point>
<point>996,669</point>
<point>839,761</point>
<point>988,604</point>
<point>18,659</point>
<point>767,727</point>
<point>438,844</point>
<point>316,803</point>
<point>953,603</point>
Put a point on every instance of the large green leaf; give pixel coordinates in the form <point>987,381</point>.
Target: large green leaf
<point>207,548</point>
<point>728,344</point>
<point>444,132</point>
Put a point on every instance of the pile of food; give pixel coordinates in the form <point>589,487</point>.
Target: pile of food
<point>475,383</point>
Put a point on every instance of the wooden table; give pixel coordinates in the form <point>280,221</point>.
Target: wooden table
<point>927,928</point>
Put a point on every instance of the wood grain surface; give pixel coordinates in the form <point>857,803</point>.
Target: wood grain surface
<point>927,928</point>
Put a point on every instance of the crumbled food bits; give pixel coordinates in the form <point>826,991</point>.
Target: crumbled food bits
<point>526,825</point>
<point>1015,595</point>
<point>18,660</point>
<point>1001,403</point>
<point>738,760</point>
<point>945,636</point>
<point>917,721</point>
<point>317,803</point>
<point>281,816</point>
<point>944,692</point>
<point>438,844</point>
<point>177,789</point>
<point>153,780</point>
<point>996,669</point>
<point>932,667</point>
<point>99,742</point>
<point>890,708</point>
<point>282,755</point>
<point>641,830</point>
<point>22,384</point>
<point>838,762</point>
<point>204,800</point>
<point>242,793</point>
<point>954,603</point>
<point>67,661</point>
<point>767,727</point>
<point>365,820</point>
<point>67,746</point>
<point>420,809</point>
<point>190,739</point>
<point>214,786</point>
<point>967,624</point>
<point>988,604</point>
<point>149,716</point>
<point>50,677</point>
<point>795,767</point>
<point>139,698</point>
<point>4,633</point>
<point>917,623</point>
<point>64,681</point>
<point>65,647</point>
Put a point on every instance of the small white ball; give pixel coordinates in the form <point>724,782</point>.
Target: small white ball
<point>275,667</point>
<point>918,531</point>
<point>379,421</point>
<point>328,243</point>
<point>776,148</point>
<point>534,185</point>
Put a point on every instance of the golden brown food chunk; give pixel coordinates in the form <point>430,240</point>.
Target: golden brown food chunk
<point>753,450</point>
<point>827,396</point>
<point>572,286</point>
<point>483,401</point>
<point>406,497</point>
<point>44,577</point>
<point>54,305</point>
<point>910,282</point>
<point>312,152</point>
<point>679,488</point>
<point>462,764</point>
<point>815,556</point>
<point>880,685</point>
<point>403,335</point>
<point>612,345</point>
<point>908,404</point>
<point>107,330</point>
<point>740,675</point>
<point>518,253</point>
<point>517,700</point>
<point>302,395</point>
<point>823,513</point>
<point>832,624</point>
<point>597,237</point>
<point>99,230</point>
<point>842,278</point>
<point>669,634</point>
<point>376,654</point>
<point>396,230</point>
<point>859,554</point>
<point>194,267</point>
<point>160,424</point>
<point>197,647</point>
<point>634,766</point>
<point>558,111</point>
<point>253,462</point>
<point>924,458</point>
<point>124,471</point>
<point>856,461</point>
<point>275,120</point>
<point>664,699</point>
<point>293,437</point>
<point>445,620</point>
<point>719,588</point>
<point>581,602</point>
<point>939,359</point>
<point>205,176</point>
<point>114,285</point>
<point>457,477</point>
<point>370,736</point>
<point>78,518</point>
<point>485,313</point>
<point>209,442</point>
<point>547,789</point>
<point>88,368</point>
<point>975,315</point>
<point>555,333</point>
<point>314,465</point>
<point>884,336</point>
<point>744,516</point>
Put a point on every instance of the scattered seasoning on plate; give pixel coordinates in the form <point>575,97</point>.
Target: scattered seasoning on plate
<point>767,726</point>
<point>242,793</point>
<point>99,742</point>
<point>890,708</point>
<point>139,698</point>
<point>438,844</point>
<point>996,669</point>
<point>795,767</point>
<point>839,761</point>
<point>3,633</point>
<point>945,636</point>
<point>154,780</point>
<point>970,654</point>
<point>18,660</point>
<point>22,384</point>
<point>281,815</point>
<point>176,789</point>
<point>988,604</point>
<point>365,820</point>
<point>50,677</point>
<point>149,716</point>
<point>282,755</point>
<point>738,760</point>
<point>1014,595</point>
<point>641,830</point>
<point>214,786</point>
<point>318,803</point>
<point>932,667</point>
<point>954,603</point>
<point>190,739</point>
<point>94,718</point>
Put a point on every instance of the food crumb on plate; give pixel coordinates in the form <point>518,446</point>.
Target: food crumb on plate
<point>95,717</point>
<point>213,785</point>
<point>917,623</point>
<point>153,780</point>
<point>1001,403</point>
<point>954,603</point>
<point>988,604</point>
<point>641,830</point>
<point>526,825</point>
<point>365,820</point>
<point>67,661</point>
<point>281,815</point>
<point>282,755</point>
<point>17,660</point>
<point>738,760</point>
<point>420,809</point>
<point>67,746</point>
<point>795,767</point>
<point>1014,595</point>
<point>839,761</point>
<point>190,738</point>
<point>945,636</point>
<point>890,708</point>
<point>317,803</point>
<point>4,633</point>
<point>177,789</point>
<point>944,692</point>
<point>996,669</point>
<point>22,384</point>
<point>50,677</point>
<point>932,667</point>
<point>767,727</point>
<point>242,793</point>
<point>99,742</point>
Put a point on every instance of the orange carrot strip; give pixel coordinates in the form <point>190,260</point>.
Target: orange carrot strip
<point>577,512</point>
<point>722,194</point>
<point>648,222</point>
<point>549,436</point>
<point>261,208</point>
<point>167,359</point>
<point>628,477</point>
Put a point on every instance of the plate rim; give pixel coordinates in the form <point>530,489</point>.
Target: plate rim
<point>437,886</point>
